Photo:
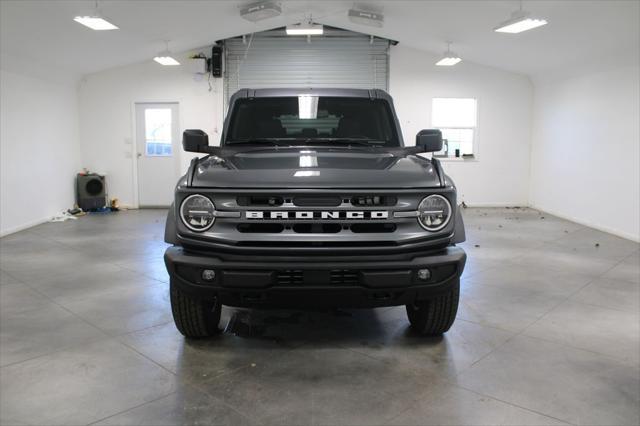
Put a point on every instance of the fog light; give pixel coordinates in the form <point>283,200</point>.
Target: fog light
<point>208,275</point>
<point>424,274</point>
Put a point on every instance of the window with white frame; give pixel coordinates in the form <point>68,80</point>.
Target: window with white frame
<point>157,132</point>
<point>457,119</point>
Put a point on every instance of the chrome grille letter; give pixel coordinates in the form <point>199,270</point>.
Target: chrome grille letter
<point>279,215</point>
<point>355,215</point>
<point>304,215</point>
<point>329,215</point>
<point>380,215</point>
<point>253,215</point>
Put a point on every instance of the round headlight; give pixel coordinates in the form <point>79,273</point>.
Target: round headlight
<point>197,212</point>
<point>434,212</point>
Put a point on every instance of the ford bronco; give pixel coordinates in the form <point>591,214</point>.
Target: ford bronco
<point>313,200</point>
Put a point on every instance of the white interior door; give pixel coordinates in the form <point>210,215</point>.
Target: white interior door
<point>157,142</point>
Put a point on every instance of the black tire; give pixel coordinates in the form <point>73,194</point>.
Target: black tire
<point>194,318</point>
<point>435,316</point>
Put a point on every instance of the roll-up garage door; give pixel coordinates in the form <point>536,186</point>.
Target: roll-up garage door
<point>339,58</point>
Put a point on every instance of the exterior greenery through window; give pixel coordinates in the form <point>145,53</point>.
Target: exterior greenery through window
<point>457,119</point>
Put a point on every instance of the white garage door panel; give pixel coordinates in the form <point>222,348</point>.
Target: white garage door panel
<point>337,59</point>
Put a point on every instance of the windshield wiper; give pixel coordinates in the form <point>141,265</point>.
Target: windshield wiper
<point>289,142</point>
<point>260,141</point>
<point>350,141</point>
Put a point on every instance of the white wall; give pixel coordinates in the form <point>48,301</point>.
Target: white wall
<point>39,149</point>
<point>586,149</point>
<point>500,176</point>
<point>107,120</point>
<point>582,162</point>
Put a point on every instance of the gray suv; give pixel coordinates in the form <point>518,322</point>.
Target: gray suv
<point>312,200</point>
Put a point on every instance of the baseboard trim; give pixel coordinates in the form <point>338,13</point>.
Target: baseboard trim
<point>617,233</point>
<point>505,204</point>
<point>24,226</point>
<point>31,224</point>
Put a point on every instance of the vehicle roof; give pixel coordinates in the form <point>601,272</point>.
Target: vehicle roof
<point>333,92</point>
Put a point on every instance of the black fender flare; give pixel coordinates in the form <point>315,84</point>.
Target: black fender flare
<point>170,233</point>
<point>459,235</point>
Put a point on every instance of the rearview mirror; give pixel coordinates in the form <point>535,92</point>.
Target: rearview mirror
<point>430,140</point>
<point>195,140</point>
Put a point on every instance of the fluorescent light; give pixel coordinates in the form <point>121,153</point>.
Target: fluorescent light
<point>520,21</point>
<point>95,22</point>
<point>520,26</point>
<point>448,60</point>
<point>262,10</point>
<point>364,17</point>
<point>166,60</point>
<point>305,29</point>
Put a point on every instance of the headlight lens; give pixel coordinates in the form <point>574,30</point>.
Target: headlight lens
<point>434,212</point>
<point>197,212</point>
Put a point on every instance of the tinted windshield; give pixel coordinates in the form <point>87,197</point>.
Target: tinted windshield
<point>312,120</point>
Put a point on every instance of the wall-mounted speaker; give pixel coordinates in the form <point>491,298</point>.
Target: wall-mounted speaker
<point>91,191</point>
<point>216,61</point>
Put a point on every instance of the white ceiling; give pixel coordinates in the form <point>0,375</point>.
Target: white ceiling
<point>579,33</point>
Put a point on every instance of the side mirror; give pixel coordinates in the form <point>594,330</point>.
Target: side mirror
<point>430,140</point>
<point>195,140</point>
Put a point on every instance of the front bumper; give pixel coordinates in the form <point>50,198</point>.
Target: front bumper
<point>314,283</point>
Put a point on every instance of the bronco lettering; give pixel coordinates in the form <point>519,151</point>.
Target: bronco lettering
<point>350,215</point>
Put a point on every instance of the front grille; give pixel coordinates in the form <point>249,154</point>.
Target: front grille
<point>317,220</point>
<point>374,200</point>
<point>317,228</point>
<point>368,200</point>
<point>337,206</point>
<point>364,228</point>
<point>260,228</point>
<point>315,201</point>
<point>260,200</point>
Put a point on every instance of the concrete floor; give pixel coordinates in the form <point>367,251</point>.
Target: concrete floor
<point>547,333</point>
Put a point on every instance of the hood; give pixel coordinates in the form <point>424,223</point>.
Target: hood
<point>315,168</point>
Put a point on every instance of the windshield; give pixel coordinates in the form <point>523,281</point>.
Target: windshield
<point>311,120</point>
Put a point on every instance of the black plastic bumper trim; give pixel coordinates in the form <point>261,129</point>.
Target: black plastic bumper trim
<point>253,283</point>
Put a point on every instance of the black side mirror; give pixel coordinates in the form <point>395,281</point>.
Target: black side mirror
<point>195,140</point>
<point>430,140</point>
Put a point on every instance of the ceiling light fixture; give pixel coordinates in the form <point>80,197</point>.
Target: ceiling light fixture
<point>449,58</point>
<point>258,11</point>
<point>520,21</point>
<point>95,21</point>
<point>364,17</point>
<point>165,58</point>
<point>305,28</point>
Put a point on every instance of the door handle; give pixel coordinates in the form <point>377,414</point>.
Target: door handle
<point>139,154</point>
